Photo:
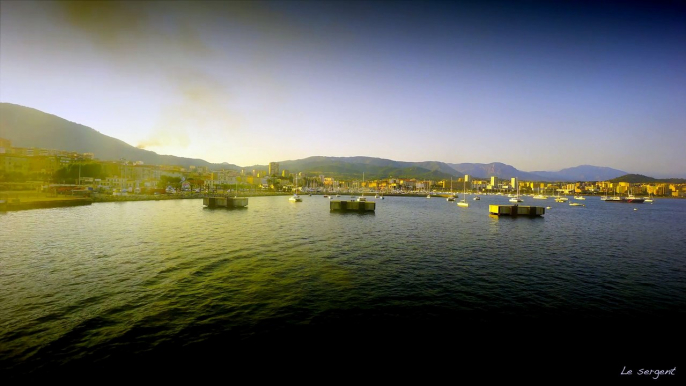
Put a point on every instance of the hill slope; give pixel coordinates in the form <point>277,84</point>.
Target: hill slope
<point>373,168</point>
<point>27,127</point>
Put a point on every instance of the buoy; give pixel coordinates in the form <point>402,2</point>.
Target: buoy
<point>635,209</point>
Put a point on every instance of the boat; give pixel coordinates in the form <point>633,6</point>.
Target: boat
<point>516,197</point>
<point>579,197</point>
<point>540,196</point>
<point>576,204</point>
<point>649,198</point>
<point>605,196</point>
<point>463,202</point>
<point>452,196</point>
<point>629,199</point>
<point>362,198</point>
<point>295,197</point>
<point>559,198</point>
<point>476,198</point>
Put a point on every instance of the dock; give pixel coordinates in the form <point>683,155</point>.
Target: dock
<point>225,202</point>
<point>15,203</point>
<point>352,206</point>
<point>516,210</point>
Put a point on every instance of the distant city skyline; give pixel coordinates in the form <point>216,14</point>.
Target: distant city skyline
<point>538,85</point>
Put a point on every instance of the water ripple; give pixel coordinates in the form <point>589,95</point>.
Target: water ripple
<point>119,280</point>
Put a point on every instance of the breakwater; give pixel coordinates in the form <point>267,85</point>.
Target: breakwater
<point>13,205</point>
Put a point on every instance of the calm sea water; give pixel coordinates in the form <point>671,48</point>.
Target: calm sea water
<point>163,285</point>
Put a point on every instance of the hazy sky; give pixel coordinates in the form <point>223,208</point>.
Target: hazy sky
<point>539,85</point>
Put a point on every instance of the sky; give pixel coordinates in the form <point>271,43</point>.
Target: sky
<point>539,85</point>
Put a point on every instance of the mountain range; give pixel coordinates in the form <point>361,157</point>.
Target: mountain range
<point>28,127</point>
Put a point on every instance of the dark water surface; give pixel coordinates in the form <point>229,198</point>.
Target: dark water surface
<point>170,287</point>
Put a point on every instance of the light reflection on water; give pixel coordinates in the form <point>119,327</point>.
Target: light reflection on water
<point>91,281</point>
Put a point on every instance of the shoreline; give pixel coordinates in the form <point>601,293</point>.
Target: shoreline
<point>18,201</point>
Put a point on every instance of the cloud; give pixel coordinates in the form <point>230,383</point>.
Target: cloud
<point>134,27</point>
<point>203,109</point>
<point>162,40</point>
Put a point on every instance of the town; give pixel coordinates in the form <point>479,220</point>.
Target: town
<point>70,173</point>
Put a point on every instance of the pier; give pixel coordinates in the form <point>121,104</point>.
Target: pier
<point>9,203</point>
<point>516,210</point>
<point>352,206</point>
<point>225,202</point>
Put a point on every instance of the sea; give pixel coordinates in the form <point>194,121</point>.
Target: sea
<point>419,288</point>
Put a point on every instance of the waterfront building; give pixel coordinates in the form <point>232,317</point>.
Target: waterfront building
<point>273,169</point>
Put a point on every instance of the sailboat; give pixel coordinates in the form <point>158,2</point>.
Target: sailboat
<point>362,197</point>
<point>650,198</point>
<point>630,198</point>
<point>540,196</point>
<point>452,196</point>
<point>476,198</point>
<point>605,197</point>
<point>559,198</point>
<point>463,202</point>
<point>516,198</point>
<point>295,197</point>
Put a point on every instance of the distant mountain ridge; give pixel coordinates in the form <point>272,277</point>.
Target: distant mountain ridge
<point>373,168</point>
<point>496,169</point>
<point>28,127</point>
<point>583,173</point>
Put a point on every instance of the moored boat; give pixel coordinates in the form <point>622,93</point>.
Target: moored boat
<point>295,197</point>
<point>463,202</point>
<point>629,199</point>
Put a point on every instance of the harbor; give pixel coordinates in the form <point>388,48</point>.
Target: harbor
<point>278,275</point>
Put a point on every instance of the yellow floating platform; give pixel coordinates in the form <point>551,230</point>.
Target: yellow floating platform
<point>516,210</point>
<point>225,202</point>
<point>361,206</point>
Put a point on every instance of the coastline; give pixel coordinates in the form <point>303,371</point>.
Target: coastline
<point>14,201</point>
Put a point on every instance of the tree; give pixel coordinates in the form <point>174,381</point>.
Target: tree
<point>72,172</point>
<point>174,182</point>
